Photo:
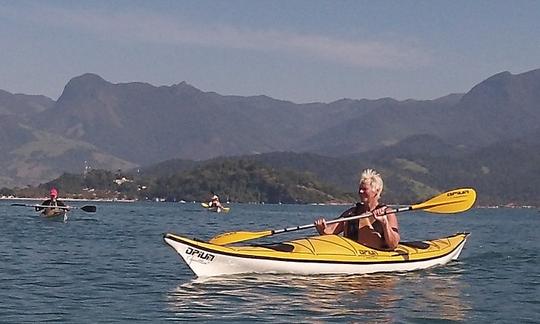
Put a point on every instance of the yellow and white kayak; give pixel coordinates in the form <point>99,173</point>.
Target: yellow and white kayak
<point>327,254</point>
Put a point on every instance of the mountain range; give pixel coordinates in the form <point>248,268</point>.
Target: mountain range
<point>98,124</point>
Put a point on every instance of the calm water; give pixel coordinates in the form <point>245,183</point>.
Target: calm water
<point>113,266</point>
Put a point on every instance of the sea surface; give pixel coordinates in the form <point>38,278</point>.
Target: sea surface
<point>112,266</point>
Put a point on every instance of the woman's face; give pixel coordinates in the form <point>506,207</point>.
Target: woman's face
<point>367,192</point>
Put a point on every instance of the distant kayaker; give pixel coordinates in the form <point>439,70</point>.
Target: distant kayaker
<point>214,202</point>
<point>52,201</point>
<point>378,231</point>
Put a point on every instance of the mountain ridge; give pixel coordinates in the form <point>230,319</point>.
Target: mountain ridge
<point>139,124</point>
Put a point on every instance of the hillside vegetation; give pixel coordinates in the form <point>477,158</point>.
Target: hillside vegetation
<point>233,180</point>
<point>413,170</point>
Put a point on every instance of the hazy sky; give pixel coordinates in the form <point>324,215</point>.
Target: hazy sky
<point>302,51</point>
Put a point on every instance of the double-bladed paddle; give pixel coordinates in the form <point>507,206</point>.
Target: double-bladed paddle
<point>88,208</point>
<point>450,202</point>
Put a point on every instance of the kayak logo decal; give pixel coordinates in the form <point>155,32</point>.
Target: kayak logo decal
<point>368,253</point>
<point>459,193</point>
<point>200,256</point>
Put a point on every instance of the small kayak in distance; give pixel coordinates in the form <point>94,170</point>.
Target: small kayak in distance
<point>326,254</point>
<point>216,209</point>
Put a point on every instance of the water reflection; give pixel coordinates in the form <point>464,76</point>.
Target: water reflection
<point>438,294</point>
<point>381,298</point>
<point>354,297</point>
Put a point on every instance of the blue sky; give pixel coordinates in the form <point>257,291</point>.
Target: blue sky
<point>302,51</point>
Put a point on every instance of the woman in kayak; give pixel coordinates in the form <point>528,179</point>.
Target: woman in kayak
<point>53,201</point>
<point>380,231</point>
<point>214,203</point>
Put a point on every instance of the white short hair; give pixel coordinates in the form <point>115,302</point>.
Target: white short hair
<point>373,178</point>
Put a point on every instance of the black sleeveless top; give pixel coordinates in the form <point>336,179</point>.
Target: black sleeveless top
<point>351,227</point>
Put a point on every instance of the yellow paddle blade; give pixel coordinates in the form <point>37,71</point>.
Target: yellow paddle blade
<point>233,237</point>
<point>453,201</point>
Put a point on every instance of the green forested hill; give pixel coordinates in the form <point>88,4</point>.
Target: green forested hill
<point>423,165</point>
<point>413,170</point>
<point>238,180</point>
<point>245,181</point>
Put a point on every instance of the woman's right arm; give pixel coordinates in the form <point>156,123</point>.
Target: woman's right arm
<point>334,228</point>
<point>325,229</point>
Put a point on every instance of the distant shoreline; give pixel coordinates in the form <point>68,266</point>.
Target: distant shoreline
<point>508,206</point>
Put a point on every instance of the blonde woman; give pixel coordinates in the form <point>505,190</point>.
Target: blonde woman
<point>379,231</point>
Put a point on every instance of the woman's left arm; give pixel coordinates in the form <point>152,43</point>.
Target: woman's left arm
<point>390,227</point>
<point>391,231</point>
